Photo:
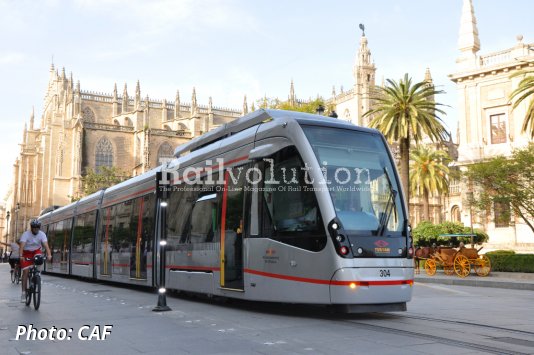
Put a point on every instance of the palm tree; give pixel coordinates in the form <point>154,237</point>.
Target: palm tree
<point>524,91</point>
<point>405,111</point>
<point>429,174</point>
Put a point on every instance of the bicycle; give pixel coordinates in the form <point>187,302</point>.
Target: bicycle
<point>16,274</point>
<point>34,279</point>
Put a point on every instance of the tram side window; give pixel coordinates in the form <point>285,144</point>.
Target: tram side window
<point>122,230</point>
<point>192,214</point>
<point>106,239</point>
<point>60,242</point>
<point>203,225</point>
<point>290,213</point>
<point>84,232</point>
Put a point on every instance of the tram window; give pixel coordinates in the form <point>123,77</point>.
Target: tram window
<point>203,220</point>
<point>182,200</point>
<point>290,213</point>
<point>60,242</point>
<point>84,231</point>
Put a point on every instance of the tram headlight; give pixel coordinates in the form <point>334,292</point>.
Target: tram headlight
<point>352,285</point>
<point>344,250</point>
<point>335,226</point>
<point>162,290</point>
<point>359,250</point>
<point>399,251</point>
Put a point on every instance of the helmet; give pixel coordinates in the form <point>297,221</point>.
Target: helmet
<point>35,223</point>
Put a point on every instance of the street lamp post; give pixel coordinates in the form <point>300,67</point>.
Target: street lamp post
<point>17,208</point>
<point>8,215</point>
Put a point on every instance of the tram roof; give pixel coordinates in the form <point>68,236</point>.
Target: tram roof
<point>262,116</point>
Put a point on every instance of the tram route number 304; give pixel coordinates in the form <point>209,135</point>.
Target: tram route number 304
<point>385,273</point>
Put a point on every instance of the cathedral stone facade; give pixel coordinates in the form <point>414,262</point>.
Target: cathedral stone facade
<point>81,130</point>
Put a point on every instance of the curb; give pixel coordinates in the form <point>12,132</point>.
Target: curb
<point>478,283</point>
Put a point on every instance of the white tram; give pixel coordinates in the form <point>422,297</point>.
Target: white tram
<point>275,206</point>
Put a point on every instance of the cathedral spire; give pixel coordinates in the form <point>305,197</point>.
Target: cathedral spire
<point>428,76</point>
<point>468,42</point>
<point>177,105</point>
<point>115,96</point>
<point>137,102</point>
<point>364,53</point>
<point>245,106</point>
<point>32,118</point>
<point>125,99</point>
<point>292,99</point>
<point>115,101</point>
<point>193,102</point>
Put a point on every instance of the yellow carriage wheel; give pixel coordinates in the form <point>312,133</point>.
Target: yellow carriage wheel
<point>430,267</point>
<point>448,270</point>
<point>462,267</point>
<point>483,266</point>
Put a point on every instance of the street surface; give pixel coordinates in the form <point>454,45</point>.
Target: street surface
<point>441,319</point>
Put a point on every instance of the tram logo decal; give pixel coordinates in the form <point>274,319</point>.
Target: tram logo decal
<point>381,246</point>
<point>269,257</point>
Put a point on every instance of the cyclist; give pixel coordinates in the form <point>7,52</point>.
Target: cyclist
<point>30,245</point>
<point>14,256</point>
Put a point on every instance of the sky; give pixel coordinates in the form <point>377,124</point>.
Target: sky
<point>227,49</point>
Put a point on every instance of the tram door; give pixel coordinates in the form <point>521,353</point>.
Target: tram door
<point>232,229</point>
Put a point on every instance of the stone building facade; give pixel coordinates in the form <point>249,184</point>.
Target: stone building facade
<point>488,126</point>
<point>81,130</point>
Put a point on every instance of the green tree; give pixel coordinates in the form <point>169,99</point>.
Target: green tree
<point>506,180</point>
<point>105,177</point>
<point>525,91</point>
<point>426,234</point>
<point>309,106</point>
<point>405,111</point>
<point>429,174</point>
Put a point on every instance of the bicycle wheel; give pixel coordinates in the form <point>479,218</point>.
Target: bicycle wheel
<point>18,275</point>
<point>28,296</point>
<point>13,276</point>
<point>37,291</point>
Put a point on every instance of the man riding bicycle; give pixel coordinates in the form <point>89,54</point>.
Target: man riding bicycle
<point>30,245</point>
<point>14,256</point>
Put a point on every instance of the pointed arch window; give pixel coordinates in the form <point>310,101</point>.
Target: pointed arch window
<point>88,115</point>
<point>165,153</point>
<point>104,154</point>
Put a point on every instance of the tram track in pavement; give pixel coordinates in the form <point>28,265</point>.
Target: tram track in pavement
<point>474,344</point>
<point>460,322</point>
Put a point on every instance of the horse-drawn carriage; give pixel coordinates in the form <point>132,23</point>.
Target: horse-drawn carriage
<point>457,261</point>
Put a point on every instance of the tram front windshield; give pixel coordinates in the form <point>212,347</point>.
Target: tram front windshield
<point>360,178</point>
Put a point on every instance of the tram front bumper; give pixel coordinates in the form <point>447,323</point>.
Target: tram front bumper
<point>371,285</point>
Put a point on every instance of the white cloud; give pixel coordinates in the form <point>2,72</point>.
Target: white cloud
<point>12,57</point>
<point>161,16</point>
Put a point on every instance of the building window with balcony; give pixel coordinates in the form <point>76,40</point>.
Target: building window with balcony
<point>501,214</point>
<point>498,128</point>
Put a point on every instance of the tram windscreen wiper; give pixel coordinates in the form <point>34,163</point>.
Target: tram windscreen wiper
<point>384,218</point>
